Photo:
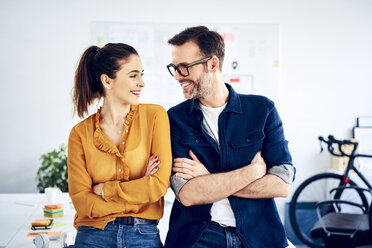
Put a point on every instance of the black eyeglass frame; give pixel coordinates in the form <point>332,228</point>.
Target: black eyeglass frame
<point>201,61</point>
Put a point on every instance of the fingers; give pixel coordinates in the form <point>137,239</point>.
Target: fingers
<point>183,160</point>
<point>193,156</point>
<point>152,159</point>
<point>97,189</point>
<point>189,168</point>
<point>152,166</point>
<point>184,165</point>
<point>256,157</point>
<point>183,170</point>
<point>259,164</point>
<point>153,171</point>
<point>184,176</point>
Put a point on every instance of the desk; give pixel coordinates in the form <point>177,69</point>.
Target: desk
<point>17,211</point>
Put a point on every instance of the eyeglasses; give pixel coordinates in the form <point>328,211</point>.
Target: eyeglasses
<point>183,70</point>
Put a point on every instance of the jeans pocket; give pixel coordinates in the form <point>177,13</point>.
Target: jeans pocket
<point>147,229</point>
<point>92,237</point>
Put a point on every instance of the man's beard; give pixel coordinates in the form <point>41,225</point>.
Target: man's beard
<point>202,87</point>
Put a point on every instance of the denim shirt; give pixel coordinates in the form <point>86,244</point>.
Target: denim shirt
<point>248,124</point>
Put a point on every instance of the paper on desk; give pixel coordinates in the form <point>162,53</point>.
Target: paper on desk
<point>26,204</point>
<point>47,233</point>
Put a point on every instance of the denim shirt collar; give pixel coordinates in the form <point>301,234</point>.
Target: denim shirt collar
<point>233,103</point>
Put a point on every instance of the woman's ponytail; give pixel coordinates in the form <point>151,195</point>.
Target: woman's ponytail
<point>87,86</point>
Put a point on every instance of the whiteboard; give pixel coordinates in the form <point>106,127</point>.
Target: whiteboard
<point>250,65</point>
<point>364,137</point>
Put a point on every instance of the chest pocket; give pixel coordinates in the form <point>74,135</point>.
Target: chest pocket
<point>246,146</point>
<point>194,140</point>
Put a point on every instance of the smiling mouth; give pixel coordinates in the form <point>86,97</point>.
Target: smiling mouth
<point>136,92</point>
<point>185,84</point>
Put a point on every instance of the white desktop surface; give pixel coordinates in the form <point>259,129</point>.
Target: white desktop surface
<point>17,211</point>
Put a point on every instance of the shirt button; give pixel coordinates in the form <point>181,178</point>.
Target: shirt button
<point>123,143</point>
<point>197,141</point>
<point>126,130</point>
<point>111,198</point>
<point>119,170</point>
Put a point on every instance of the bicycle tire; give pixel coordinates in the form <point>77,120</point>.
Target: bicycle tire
<point>300,232</point>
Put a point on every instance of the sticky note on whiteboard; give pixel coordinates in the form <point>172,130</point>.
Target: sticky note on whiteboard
<point>235,80</point>
<point>242,83</point>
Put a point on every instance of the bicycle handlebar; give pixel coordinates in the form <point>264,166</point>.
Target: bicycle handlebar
<point>332,140</point>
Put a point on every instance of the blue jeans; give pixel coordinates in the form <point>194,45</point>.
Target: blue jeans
<point>119,236</point>
<point>218,237</point>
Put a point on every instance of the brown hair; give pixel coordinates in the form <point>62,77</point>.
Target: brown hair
<point>93,63</point>
<point>210,42</point>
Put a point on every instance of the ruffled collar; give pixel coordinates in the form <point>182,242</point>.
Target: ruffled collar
<point>100,139</point>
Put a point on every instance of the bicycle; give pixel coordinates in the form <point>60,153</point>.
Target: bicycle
<point>302,208</point>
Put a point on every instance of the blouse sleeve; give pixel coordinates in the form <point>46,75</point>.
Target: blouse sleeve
<point>148,189</point>
<point>85,201</point>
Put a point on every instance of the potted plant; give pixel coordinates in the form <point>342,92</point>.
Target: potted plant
<point>53,170</point>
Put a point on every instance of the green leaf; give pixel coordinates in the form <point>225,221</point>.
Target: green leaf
<point>53,170</point>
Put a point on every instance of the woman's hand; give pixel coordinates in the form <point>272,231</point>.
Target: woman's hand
<point>152,165</point>
<point>97,189</point>
<point>152,168</point>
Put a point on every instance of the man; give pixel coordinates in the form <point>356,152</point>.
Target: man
<point>230,155</point>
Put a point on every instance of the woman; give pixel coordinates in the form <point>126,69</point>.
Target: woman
<point>119,159</point>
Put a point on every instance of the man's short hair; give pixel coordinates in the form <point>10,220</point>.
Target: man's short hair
<point>210,42</point>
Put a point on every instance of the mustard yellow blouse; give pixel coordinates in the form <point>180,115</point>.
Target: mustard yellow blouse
<point>93,159</point>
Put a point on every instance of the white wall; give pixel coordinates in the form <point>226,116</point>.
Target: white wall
<point>325,69</point>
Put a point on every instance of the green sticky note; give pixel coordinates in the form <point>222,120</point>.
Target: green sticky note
<point>101,41</point>
<point>57,224</point>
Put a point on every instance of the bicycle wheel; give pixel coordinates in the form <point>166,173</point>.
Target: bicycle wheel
<point>302,211</point>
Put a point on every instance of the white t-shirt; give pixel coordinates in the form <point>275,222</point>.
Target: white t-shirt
<point>221,210</point>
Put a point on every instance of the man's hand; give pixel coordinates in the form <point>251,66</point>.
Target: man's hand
<point>189,168</point>
<point>206,188</point>
<point>97,189</point>
<point>259,165</point>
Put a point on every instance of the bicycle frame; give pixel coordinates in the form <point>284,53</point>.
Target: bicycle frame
<point>350,165</point>
<point>339,183</point>
<point>357,171</point>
